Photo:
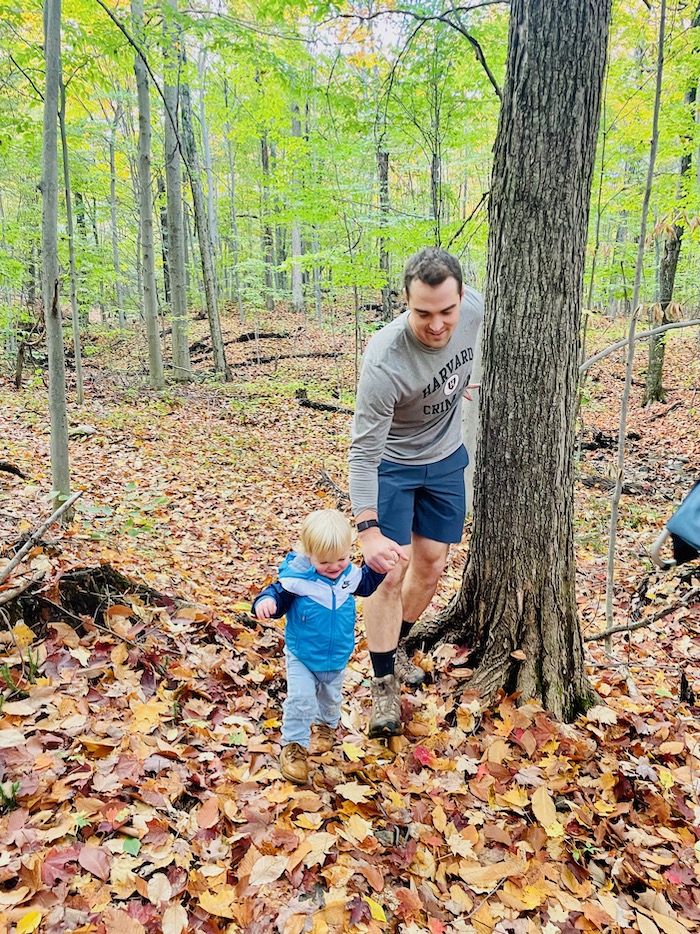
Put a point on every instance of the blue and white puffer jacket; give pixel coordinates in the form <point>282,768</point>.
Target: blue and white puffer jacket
<point>320,612</point>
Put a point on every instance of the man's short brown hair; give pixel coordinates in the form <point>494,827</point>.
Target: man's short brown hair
<point>432,266</point>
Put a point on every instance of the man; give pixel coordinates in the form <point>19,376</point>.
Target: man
<point>407,462</point>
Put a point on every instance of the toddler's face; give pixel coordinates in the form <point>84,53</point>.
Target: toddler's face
<point>331,569</point>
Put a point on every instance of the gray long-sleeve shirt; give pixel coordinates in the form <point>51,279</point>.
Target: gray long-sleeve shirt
<point>409,399</point>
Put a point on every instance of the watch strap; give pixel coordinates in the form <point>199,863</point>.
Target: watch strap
<point>367,524</point>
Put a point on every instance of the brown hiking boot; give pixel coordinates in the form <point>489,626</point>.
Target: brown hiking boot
<point>409,673</point>
<point>385,719</point>
<point>293,764</point>
<point>324,738</point>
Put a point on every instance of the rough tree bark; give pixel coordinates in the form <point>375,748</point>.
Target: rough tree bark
<point>60,470</point>
<point>173,188</point>
<point>145,188</point>
<point>75,314</point>
<point>383,178</point>
<point>518,589</point>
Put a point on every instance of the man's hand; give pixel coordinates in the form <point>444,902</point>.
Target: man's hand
<point>467,394</point>
<point>265,608</point>
<point>381,553</point>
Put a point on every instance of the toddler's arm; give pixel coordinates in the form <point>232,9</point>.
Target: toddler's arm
<point>272,602</point>
<point>369,582</point>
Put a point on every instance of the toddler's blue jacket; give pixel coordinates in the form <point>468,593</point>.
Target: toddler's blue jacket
<point>320,612</point>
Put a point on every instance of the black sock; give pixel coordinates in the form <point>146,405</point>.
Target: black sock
<point>405,628</point>
<point>383,663</point>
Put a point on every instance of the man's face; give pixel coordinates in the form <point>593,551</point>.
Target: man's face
<point>433,311</point>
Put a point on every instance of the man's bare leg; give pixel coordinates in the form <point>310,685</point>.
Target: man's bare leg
<point>382,611</point>
<point>382,614</point>
<point>428,560</point>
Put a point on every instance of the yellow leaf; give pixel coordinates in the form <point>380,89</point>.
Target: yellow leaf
<point>174,920</point>
<point>354,753</point>
<point>241,607</point>
<point>23,635</point>
<point>355,792</point>
<point>545,812</point>
<point>375,908</point>
<point>646,925</point>
<point>439,818</point>
<point>29,922</point>
<point>219,903</point>
<point>268,869</point>
<point>666,778</point>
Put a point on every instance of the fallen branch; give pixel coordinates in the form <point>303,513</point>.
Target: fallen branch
<point>638,337</point>
<point>303,399</point>
<point>283,356</point>
<point>35,536</point>
<point>607,483</point>
<point>630,627</point>
<point>341,495</point>
<point>8,595</point>
<point>10,468</point>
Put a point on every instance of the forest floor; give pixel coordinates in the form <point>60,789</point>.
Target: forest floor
<point>139,725</point>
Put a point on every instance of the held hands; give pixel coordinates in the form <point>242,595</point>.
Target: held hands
<point>265,608</point>
<point>381,553</point>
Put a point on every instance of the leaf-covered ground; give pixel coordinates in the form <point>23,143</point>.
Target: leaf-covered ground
<point>138,737</point>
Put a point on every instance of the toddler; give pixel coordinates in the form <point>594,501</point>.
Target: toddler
<point>315,590</point>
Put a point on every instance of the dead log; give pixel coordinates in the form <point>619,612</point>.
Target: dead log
<point>607,483</point>
<point>303,399</point>
<point>10,468</point>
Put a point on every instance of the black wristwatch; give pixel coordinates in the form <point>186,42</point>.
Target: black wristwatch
<point>367,524</point>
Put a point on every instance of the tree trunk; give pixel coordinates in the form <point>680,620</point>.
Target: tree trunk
<point>60,470</point>
<point>383,176</point>
<point>163,215</point>
<point>654,389</point>
<point>173,187</point>
<point>206,151</point>
<point>201,222</point>
<point>235,237</point>
<point>148,275</point>
<point>518,590</point>
<point>113,215</point>
<point>75,315</point>
<point>268,243</point>
<point>297,291</point>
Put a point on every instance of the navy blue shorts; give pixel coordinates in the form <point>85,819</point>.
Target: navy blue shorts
<point>428,500</point>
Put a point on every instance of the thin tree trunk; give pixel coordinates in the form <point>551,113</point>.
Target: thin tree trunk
<point>113,215</point>
<point>383,177</point>
<point>654,389</point>
<point>203,236</point>
<point>60,469</point>
<point>173,186</point>
<point>297,290</point>
<point>163,215</point>
<point>268,246</point>
<point>206,151</point>
<point>145,187</point>
<point>75,315</point>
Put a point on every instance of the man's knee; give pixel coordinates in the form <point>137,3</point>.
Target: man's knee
<point>429,565</point>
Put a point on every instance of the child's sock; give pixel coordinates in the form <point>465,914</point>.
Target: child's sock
<point>383,663</point>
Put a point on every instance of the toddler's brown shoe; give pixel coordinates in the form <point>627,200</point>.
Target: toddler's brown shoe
<point>324,738</point>
<point>293,764</point>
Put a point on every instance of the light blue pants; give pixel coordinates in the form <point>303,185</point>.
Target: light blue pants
<point>312,697</point>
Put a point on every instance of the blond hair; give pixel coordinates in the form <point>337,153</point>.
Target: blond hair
<point>326,534</point>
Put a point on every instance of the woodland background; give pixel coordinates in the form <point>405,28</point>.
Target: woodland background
<point>140,708</point>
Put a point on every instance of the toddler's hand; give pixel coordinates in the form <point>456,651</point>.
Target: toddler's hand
<point>265,608</point>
